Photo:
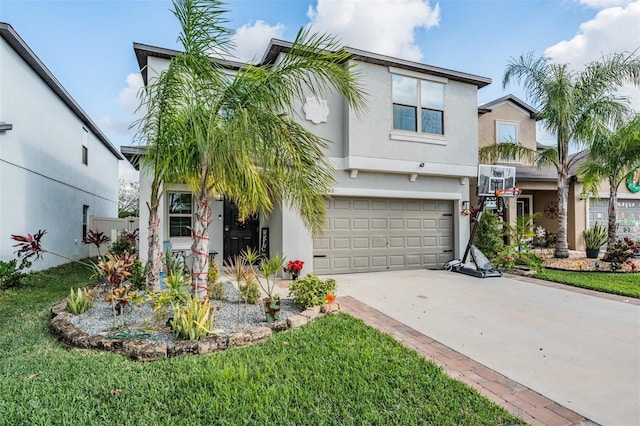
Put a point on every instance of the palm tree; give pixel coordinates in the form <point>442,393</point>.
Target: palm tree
<point>235,134</point>
<point>574,106</point>
<point>613,155</point>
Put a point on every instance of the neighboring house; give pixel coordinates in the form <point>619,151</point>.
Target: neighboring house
<point>402,173</point>
<point>508,119</point>
<point>56,167</point>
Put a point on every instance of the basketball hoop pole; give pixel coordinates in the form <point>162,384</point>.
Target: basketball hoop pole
<point>473,230</point>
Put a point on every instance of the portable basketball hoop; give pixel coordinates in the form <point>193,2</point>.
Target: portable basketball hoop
<point>493,181</point>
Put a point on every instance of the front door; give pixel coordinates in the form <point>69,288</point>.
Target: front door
<point>238,234</point>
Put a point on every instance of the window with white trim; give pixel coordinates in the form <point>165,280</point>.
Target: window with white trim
<point>180,212</point>
<point>508,132</point>
<point>418,105</point>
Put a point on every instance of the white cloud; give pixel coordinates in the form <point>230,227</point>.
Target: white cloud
<point>382,26</point>
<point>128,97</point>
<point>251,40</point>
<point>603,4</point>
<point>614,29</point>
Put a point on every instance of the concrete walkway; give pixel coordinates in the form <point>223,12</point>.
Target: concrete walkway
<point>578,349</point>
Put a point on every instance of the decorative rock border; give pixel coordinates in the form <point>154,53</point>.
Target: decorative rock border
<point>143,350</point>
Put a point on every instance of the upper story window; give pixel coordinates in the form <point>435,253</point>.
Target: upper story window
<point>418,105</point>
<point>180,214</point>
<point>507,132</point>
<point>85,146</point>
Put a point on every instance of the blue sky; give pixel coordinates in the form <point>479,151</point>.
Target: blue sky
<point>87,44</point>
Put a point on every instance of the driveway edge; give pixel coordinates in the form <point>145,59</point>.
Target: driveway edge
<point>532,407</point>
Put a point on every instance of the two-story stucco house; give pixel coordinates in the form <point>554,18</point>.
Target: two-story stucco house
<point>402,173</point>
<point>509,119</point>
<point>56,167</point>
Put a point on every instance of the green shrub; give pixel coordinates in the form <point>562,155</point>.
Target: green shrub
<point>213,274</point>
<point>11,273</point>
<point>250,292</point>
<point>488,237</point>
<point>80,301</point>
<point>138,277</point>
<point>123,244</point>
<point>177,292</point>
<point>512,255</point>
<point>311,290</point>
<point>193,320</point>
<point>622,251</point>
<point>216,291</point>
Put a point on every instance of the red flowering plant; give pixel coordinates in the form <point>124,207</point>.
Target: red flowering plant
<point>294,267</point>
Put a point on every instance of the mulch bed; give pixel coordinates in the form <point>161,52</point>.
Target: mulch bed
<point>577,261</point>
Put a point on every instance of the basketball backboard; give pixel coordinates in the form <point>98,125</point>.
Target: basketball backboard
<point>492,177</point>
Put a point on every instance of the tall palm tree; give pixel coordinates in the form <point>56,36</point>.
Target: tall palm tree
<point>574,106</point>
<point>234,134</point>
<point>613,156</point>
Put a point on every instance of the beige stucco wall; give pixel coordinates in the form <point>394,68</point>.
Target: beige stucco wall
<point>506,111</point>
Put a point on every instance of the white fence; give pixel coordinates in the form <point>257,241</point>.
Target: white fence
<point>111,227</point>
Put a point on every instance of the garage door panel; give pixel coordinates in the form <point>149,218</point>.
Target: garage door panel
<point>413,223</point>
<point>379,224</point>
<point>376,235</point>
<point>342,243</point>
<point>361,205</point>
<point>396,242</point>
<point>378,261</point>
<point>360,224</point>
<point>341,263</point>
<point>378,242</point>
<point>321,263</point>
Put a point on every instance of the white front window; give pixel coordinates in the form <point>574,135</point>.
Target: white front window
<point>180,214</point>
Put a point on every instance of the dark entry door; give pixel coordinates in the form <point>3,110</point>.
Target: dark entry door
<point>238,234</point>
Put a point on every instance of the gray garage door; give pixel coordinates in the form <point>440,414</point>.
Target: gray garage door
<point>372,234</point>
<point>628,212</point>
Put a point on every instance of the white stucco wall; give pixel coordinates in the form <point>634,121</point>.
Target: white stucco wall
<point>43,182</point>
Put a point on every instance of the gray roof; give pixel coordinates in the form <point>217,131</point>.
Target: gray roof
<point>276,47</point>
<point>133,154</point>
<point>18,44</point>
<point>533,173</point>
<point>488,107</point>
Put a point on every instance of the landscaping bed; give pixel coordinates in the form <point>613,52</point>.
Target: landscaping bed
<point>577,261</point>
<point>146,336</point>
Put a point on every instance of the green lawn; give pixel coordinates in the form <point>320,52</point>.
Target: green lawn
<point>336,370</point>
<point>616,283</point>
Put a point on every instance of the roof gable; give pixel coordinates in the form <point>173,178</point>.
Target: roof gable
<point>488,107</point>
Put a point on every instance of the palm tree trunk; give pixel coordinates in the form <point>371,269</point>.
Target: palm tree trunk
<point>562,248</point>
<point>200,248</point>
<point>154,253</point>
<point>613,204</point>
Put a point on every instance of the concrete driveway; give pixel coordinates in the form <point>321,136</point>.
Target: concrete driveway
<point>579,350</point>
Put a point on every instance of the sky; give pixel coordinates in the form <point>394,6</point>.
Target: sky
<point>88,44</point>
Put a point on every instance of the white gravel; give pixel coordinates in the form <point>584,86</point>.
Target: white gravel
<point>231,316</point>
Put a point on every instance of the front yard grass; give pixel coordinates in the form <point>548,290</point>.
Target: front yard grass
<point>336,370</point>
<point>624,284</point>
